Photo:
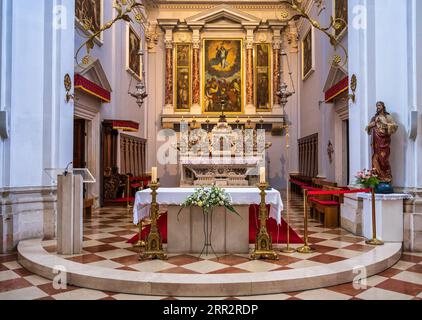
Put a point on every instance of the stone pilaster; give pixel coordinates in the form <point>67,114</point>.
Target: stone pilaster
<point>277,46</point>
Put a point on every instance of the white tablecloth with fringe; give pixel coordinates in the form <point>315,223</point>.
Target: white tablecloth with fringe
<point>176,196</point>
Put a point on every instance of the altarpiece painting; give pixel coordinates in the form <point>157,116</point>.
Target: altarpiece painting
<point>222,75</point>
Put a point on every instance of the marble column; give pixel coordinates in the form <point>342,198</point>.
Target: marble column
<point>250,108</point>
<point>277,43</point>
<point>196,72</point>
<point>169,74</point>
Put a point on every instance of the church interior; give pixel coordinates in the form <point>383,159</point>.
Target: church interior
<point>230,150</point>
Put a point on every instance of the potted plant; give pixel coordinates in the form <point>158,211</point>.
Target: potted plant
<point>367,178</point>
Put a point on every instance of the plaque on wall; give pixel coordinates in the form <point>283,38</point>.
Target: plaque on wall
<point>222,75</point>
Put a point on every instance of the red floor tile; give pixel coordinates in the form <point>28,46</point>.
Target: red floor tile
<point>14,284</point>
<point>401,287</point>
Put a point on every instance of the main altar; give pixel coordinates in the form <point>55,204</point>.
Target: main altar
<point>222,156</point>
<point>185,232</point>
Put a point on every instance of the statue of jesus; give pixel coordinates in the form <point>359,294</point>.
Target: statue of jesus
<point>381,127</point>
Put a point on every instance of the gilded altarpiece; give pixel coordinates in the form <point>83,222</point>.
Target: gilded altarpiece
<point>262,77</point>
<point>183,78</point>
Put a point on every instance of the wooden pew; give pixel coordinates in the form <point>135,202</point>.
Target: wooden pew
<point>326,208</point>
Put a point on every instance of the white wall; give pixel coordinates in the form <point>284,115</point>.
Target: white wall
<point>387,65</point>
<point>37,55</point>
<point>316,116</point>
<point>112,55</point>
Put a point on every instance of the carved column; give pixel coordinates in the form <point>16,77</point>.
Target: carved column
<point>249,71</point>
<point>196,73</point>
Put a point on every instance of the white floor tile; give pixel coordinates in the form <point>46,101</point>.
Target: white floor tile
<point>381,294</point>
<point>8,275</point>
<point>205,266</point>
<point>80,294</point>
<point>408,276</point>
<point>29,293</point>
<point>322,294</point>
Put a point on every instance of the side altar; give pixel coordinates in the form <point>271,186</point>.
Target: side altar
<point>222,156</point>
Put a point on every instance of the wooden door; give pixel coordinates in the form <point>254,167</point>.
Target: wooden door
<point>79,134</point>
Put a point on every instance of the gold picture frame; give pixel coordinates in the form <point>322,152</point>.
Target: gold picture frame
<point>262,77</point>
<point>308,53</point>
<point>235,97</point>
<point>84,6</point>
<point>183,69</point>
<point>133,59</point>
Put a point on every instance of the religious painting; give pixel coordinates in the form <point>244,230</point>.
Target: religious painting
<point>222,75</point>
<point>89,15</point>
<point>262,76</point>
<point>308,54</point>
<point>133,58</point>
<point>341,16</point>
<point>183,77</point>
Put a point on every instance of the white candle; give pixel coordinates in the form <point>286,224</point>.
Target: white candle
<point>262,175</point>
<point>154,175</point>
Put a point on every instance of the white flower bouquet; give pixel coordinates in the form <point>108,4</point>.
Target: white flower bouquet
<point>207,198</point>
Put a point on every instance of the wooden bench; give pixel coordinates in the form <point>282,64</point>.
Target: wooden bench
<point>326,208</point>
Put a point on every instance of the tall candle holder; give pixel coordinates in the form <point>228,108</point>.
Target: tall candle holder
<point>263,244</point>
<point>154,242</point>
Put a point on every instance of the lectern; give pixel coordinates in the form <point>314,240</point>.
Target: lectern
<point>70,207</point>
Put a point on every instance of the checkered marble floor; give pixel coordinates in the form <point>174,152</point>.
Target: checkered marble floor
<point>107,231</point>
<point>401,282</point>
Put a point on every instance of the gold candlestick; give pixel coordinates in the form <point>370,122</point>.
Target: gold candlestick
<point>263,244</point>
<point>140,243</point>
<point>374,241</point>
<point>128,205</point>
<point>154,243</point>
<point>287,248</point>
<point>305,248</point>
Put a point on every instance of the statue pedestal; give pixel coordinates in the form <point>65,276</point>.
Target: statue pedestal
<point>389,216</point>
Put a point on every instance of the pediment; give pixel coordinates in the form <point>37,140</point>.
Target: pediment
<point>94,71</point>
<point>223,14</point>
<point>335,75</point>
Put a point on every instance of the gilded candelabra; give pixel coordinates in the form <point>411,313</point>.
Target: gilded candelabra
<point>263,244</point>
<point>140,243</point>
<point>305,248</point>
<point>287,248</point>
<point>154,242</point>
<point>374,241</point>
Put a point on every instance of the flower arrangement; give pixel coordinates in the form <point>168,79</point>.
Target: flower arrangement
<point>367,178</point>
<point>207,198</point>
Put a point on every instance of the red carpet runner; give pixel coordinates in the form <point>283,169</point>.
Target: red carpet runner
<point>281,237</point>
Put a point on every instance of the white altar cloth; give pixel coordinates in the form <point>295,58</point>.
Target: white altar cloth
<point>176,196</point>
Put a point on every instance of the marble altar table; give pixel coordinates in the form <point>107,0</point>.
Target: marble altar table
<point>230,232</point>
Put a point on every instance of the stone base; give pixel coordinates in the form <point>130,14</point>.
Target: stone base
<point>26,213</point>
<point>351,214</point>
<point>230,233</point>
<point>413,225</point>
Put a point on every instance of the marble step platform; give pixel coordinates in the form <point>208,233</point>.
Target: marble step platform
<point>36,259</point>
